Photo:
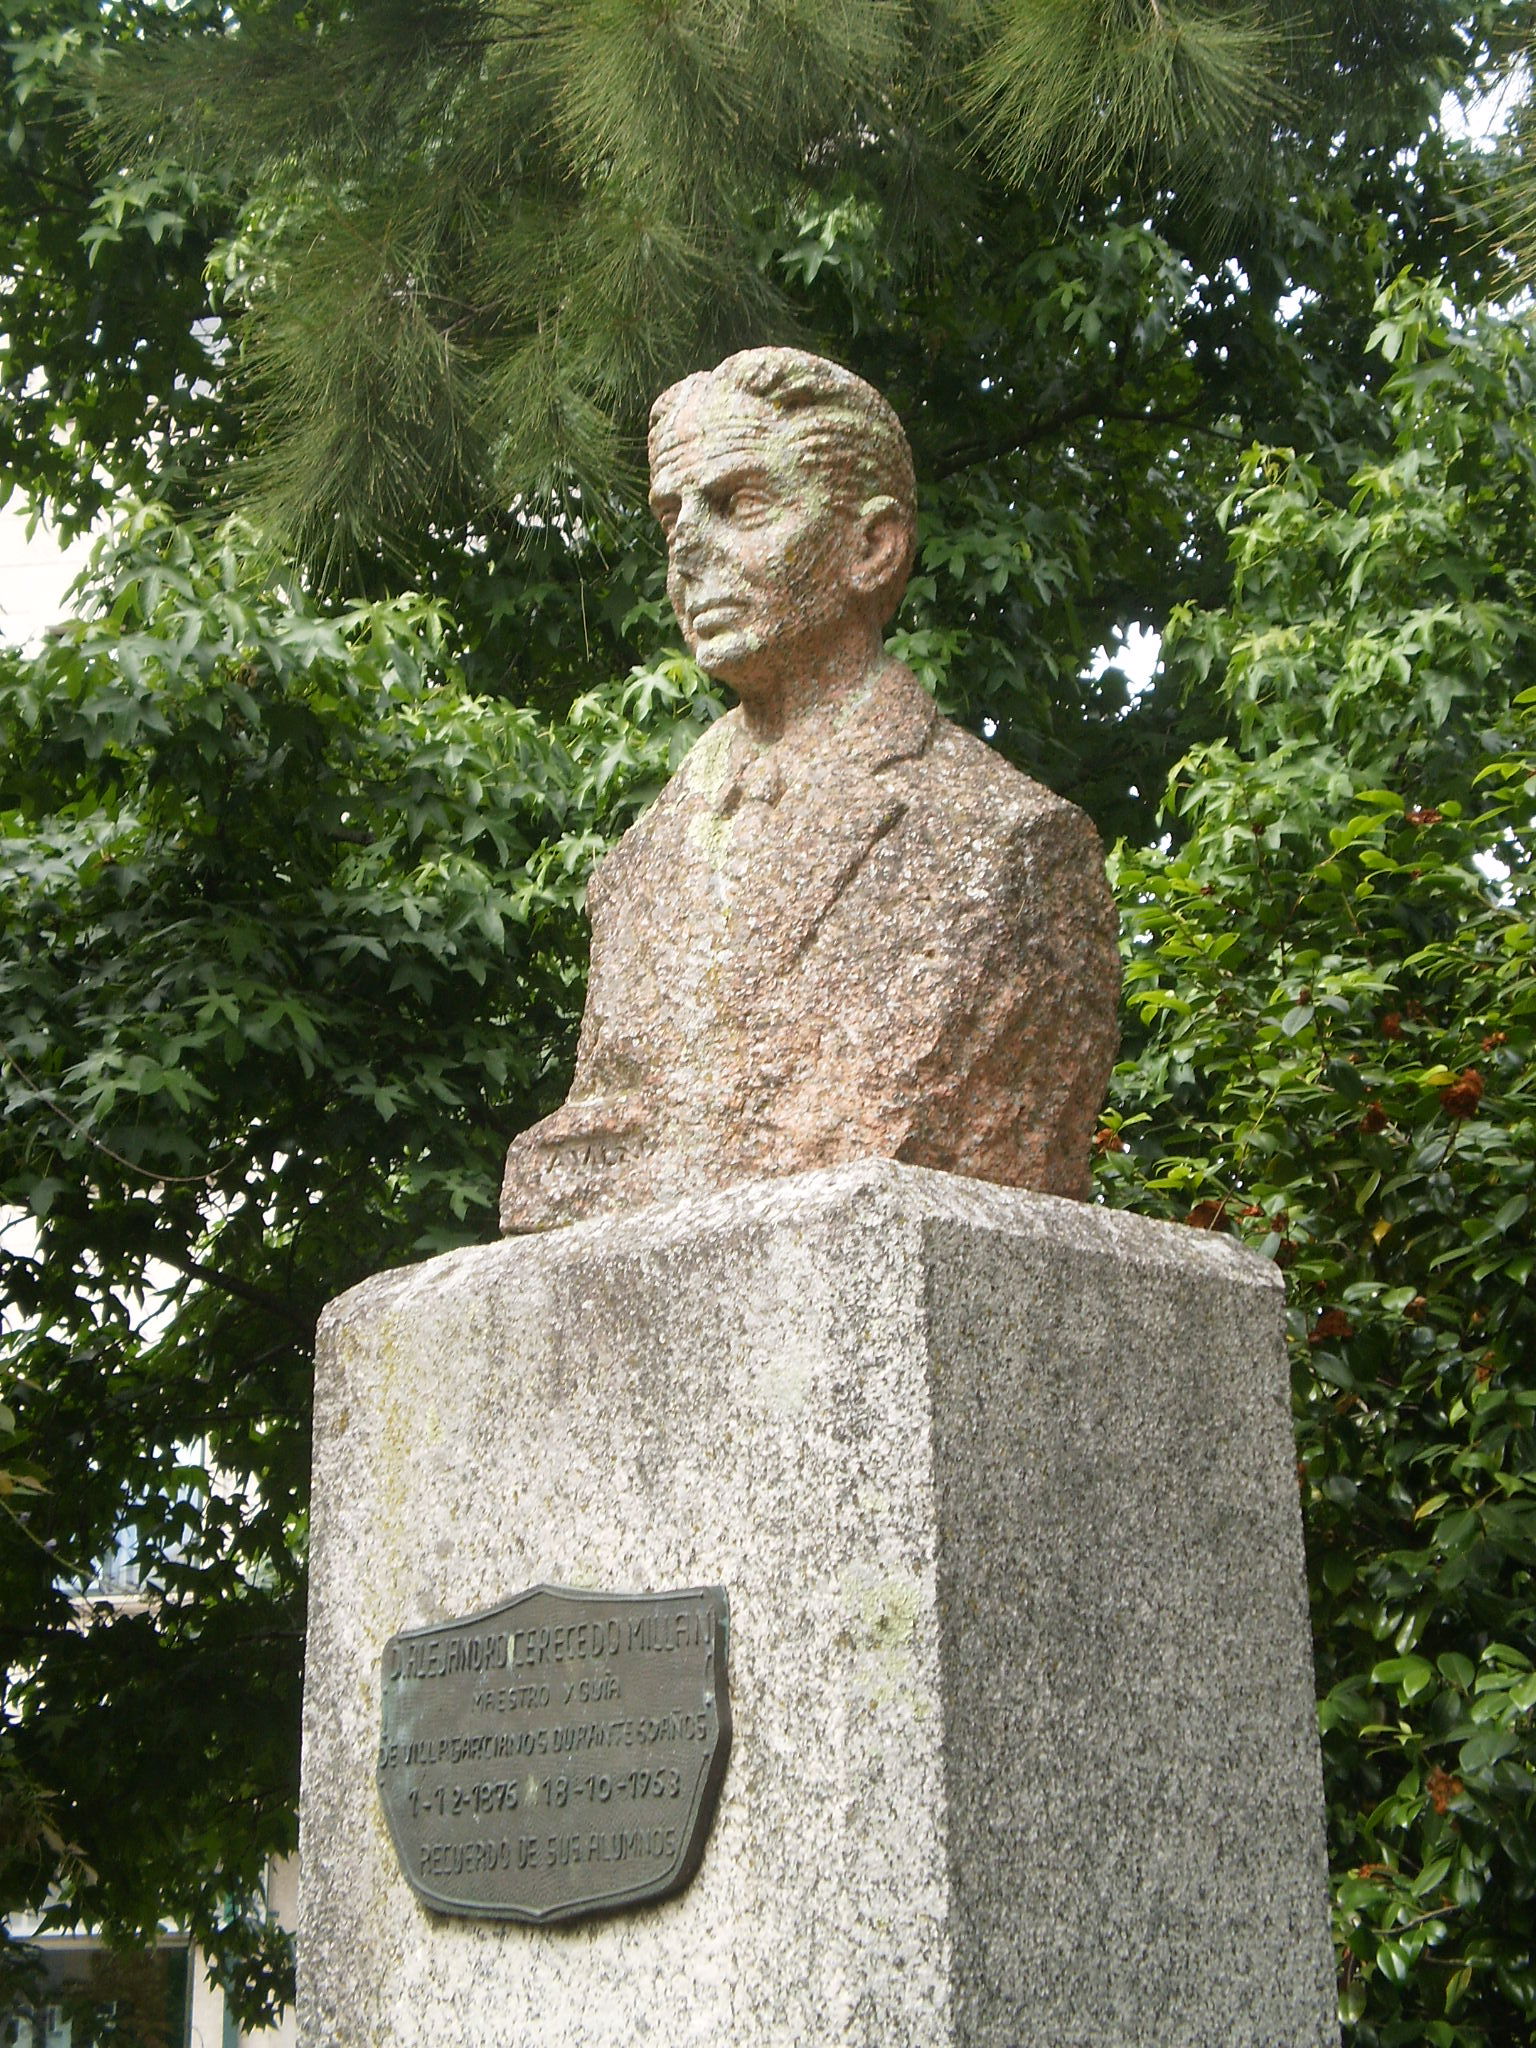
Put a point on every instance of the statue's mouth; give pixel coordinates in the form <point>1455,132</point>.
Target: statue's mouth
<point>714,613</point>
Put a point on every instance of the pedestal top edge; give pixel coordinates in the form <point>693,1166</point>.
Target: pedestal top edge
<point>916,1196</point>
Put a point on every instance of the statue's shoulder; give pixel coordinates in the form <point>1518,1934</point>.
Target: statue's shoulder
<point>973,780</point>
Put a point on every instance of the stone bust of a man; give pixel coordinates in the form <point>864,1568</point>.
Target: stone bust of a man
<point>846,928</point>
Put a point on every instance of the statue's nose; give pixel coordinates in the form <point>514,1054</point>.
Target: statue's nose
<point>689,533</point>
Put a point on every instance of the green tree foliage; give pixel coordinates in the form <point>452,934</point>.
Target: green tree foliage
<point>108,344</point>
<point>1332,1023</point>
<point>490,233</point>
<point>293,942</point>
<point>1106,354</point>
<point>289,951</point>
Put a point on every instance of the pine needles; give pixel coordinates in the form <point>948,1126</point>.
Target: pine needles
<point>1085,91</point>
<point>504,223</point>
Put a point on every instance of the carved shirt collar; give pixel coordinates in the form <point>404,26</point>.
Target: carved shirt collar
<point>890,719</point>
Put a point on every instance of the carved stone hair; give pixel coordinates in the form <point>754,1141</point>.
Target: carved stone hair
<point>841,423</point>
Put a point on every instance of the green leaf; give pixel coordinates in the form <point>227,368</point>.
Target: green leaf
<point>1486,1747</point>
<point>1410,1675</point>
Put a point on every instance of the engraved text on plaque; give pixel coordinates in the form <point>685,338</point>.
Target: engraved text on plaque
<point>557,1755</point>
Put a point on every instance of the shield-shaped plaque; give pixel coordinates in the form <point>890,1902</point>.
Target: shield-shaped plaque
<point>557,1755</point>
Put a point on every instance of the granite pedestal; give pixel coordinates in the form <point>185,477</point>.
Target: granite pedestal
<point>1002,1491</point>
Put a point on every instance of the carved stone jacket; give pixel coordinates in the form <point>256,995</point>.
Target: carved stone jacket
<point>872,937</point>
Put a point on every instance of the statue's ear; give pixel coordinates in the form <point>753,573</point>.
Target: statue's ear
<point>883,552</point>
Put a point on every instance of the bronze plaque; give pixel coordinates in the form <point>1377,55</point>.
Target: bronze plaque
<point>559,1754</point>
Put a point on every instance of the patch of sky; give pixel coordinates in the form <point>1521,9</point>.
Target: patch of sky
<point>37,570</point>
<point>1483,118</point>
<point>1135,650</point>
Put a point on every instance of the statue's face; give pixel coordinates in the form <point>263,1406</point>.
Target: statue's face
<point>758,545</point>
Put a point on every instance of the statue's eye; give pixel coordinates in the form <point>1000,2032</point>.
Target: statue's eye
<point>748,502</point>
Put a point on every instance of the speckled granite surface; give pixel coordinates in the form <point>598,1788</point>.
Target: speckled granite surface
<point>1001,1488</point>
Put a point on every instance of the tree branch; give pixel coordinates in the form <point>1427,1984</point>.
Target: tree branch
<point>240,1290</point>
<point>1011,437</point>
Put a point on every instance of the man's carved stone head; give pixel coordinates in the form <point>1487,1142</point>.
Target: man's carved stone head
<point>784,485</point>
